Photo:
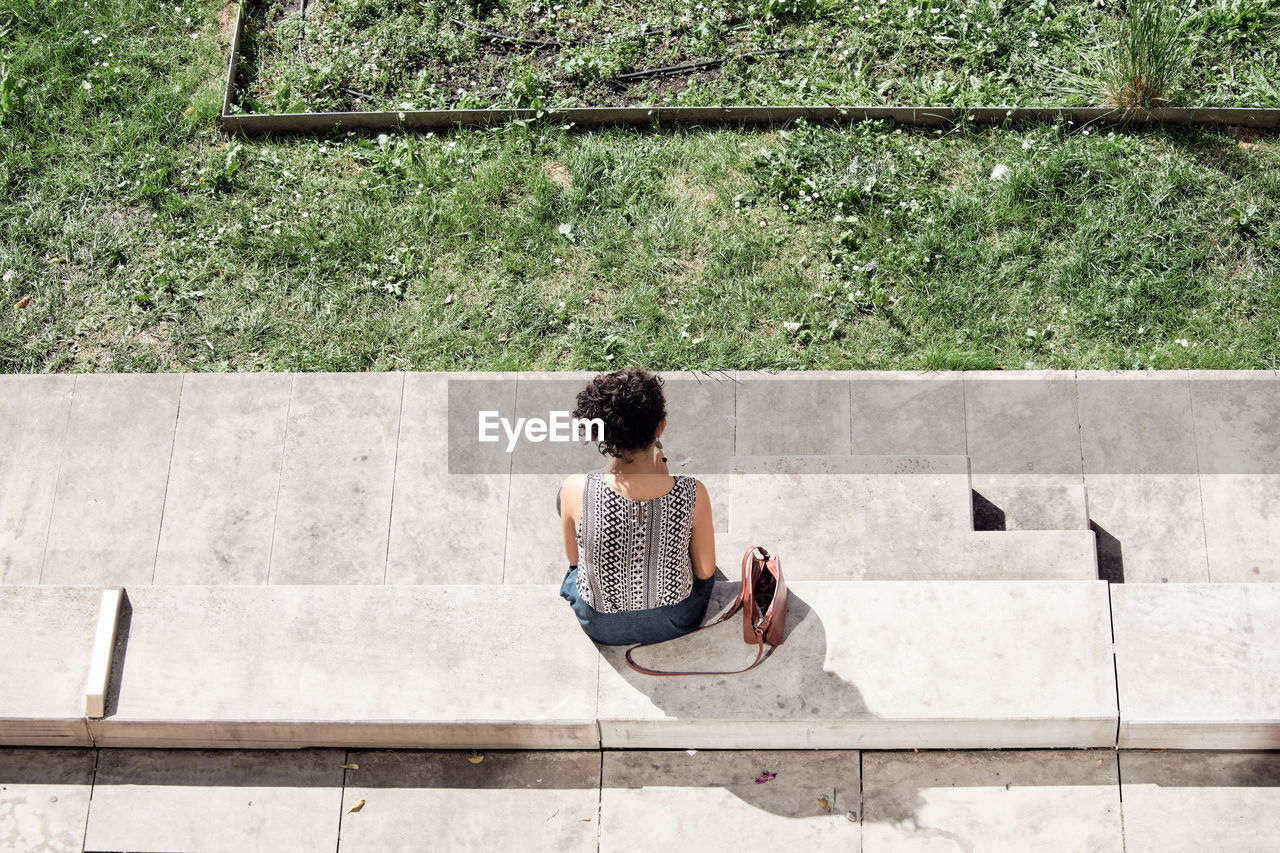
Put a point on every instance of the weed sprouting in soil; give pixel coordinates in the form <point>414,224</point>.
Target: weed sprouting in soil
<point>1150,56</point>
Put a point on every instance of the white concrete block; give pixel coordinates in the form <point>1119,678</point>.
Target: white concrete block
<point>1150,525</point>
<point>1242,526</point>
<point>1022,427</point>
<point>657,800</point>
<point>1198,665</point>
<point>1189,802</point>
<point>1021,555</point>
<point>47,634</point>
<point>883,665</point>
<point>884,518</point>
<point>848,517</point>
<point>407,666</point>
<point>33,421</point>
<point>1013,507</point>
<point>1140,426</point>
<point>906,412</point>
<point>111,481</point>
<point>546,800</point>
<point>449,505</point>
<point>1003,801</point>
<point>1235,423</point>
<point>334,509</point>
<point>44,798</point>
<point>793,413</point>
<point>224,479</point>
<point>237,801</point>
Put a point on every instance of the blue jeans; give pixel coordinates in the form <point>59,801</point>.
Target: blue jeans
<point>652,625</point>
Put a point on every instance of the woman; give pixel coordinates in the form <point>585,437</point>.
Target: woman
<point>639,541</point>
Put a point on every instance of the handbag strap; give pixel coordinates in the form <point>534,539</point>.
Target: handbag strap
<point>647,671</point>
<point>734,606</point>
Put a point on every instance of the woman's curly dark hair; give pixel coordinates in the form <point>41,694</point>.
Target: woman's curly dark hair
<point>629,403</point>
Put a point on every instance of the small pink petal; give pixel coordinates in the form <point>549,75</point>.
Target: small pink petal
<point>765,777</point>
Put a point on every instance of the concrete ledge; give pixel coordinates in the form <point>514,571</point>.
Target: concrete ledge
<point>884,665</point>
<point>427,666</point>
<point>1198,665</point>
<point>47,634</point>
<point>870,665</point>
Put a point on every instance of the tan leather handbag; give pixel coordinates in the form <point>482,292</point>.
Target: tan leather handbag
<point>763,600</point>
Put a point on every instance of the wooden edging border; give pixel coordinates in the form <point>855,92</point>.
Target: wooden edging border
<point>284,123</point>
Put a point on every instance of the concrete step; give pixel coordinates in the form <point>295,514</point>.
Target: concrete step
<point>500,666</point>
<point>900,518</point>
<point>875,664</point>
<point>132,479</point>
<point>48,635</point>
<point>1198,665</point>
<point>895,515</point>
<point>880,802</point>
<point>888,517</point>
<point>1001,506</point>
<point>882,664</point>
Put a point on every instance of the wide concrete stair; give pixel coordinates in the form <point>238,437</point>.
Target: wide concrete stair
<point>589,801</point>
<point>902,517</point>
<point>869,665</point>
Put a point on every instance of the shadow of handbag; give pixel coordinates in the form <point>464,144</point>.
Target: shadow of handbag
<point>763,601</point>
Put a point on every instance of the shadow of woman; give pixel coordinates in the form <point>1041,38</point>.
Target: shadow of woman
<point>796,699</point>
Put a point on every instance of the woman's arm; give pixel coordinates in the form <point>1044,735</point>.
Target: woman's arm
<point>702,544</point>
<point>570,512</point>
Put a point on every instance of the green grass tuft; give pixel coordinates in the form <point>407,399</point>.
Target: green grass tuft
<point>1150,57</point>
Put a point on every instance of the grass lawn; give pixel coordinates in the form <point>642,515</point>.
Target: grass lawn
<point>337,55</point>
<point>135,236</point>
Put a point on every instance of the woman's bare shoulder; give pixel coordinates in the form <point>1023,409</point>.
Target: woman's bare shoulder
<point>571,490</point>
<point>574,481</point>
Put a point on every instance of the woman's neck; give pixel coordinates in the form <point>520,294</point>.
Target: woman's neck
<point>641,462</point>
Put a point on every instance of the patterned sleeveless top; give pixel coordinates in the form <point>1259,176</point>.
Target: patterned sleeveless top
<point>634,555</point>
